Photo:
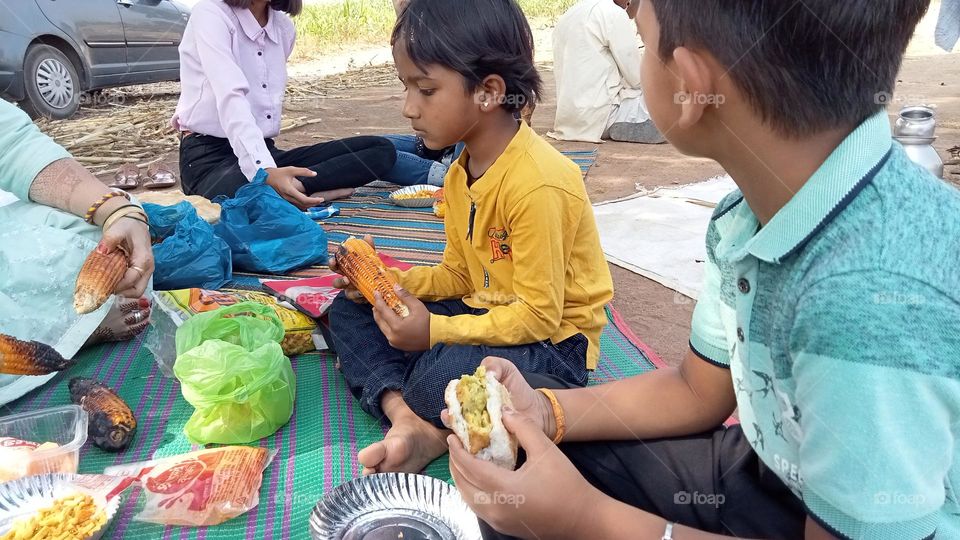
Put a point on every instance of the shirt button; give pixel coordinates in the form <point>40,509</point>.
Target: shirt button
<point>259,53</point>
<point>264,85</point>
<point>744,286</point>
<point>269,117</point>
<point>258,162</point>
<point>740,335</point>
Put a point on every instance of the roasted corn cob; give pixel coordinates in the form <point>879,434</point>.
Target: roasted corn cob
<point>98,278</point>
<point>357,260</point>
<point>29,357</point>
<point>112,424</point>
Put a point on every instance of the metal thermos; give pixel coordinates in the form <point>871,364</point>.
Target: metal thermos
<point>915,131</point>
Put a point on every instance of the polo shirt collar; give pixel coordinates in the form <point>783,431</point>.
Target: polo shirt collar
<point>850,168</point>
<point>252,28</point>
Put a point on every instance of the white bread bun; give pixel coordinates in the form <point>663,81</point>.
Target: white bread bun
<point>502,450</point>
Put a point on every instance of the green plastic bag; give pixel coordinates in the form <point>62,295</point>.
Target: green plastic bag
<point>247,324</point>
<point>233,371</point>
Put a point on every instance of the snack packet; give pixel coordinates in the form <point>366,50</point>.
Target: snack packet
<point>201,488</point>
<point>298,328</point>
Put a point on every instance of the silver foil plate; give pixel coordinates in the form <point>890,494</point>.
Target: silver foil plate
<point>422,202</point>
<point>394,506</point>
<point>21,498</point>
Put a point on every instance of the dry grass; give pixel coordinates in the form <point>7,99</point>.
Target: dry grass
<point>325,27</point>
<point>132,124</point>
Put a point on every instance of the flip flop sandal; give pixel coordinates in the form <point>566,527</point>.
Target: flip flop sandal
<point>160,177</point>
<point>128,177</point>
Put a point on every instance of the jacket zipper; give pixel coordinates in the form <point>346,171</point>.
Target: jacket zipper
<point>473,215</point>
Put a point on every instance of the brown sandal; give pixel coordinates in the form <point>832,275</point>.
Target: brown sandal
<point>128,177</point>
<point>160,177</point>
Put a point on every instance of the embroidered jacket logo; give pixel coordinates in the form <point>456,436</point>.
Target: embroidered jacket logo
<point>499,248</point>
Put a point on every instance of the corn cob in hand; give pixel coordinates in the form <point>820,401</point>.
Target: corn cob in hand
<point>112,424</point>
<point>29,358</point>
<point>98,279</point>
<point>359,263</point>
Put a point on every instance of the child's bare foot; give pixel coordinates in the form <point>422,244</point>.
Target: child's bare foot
<point>409,446</point>
<point>127,318</point>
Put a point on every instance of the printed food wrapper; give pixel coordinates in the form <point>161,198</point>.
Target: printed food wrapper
<point>201,488</point>
<point>313,296</point>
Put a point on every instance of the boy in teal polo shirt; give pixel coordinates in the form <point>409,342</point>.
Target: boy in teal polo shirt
<point>830,316</point>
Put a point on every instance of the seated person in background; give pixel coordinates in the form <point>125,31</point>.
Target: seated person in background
<point>44,241</point>
<point>829,317</point>
<point>597,66</point>
<point>233,73</point>
<point>522,275</point>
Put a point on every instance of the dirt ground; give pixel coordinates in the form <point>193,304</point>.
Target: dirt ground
<point>658,315</point>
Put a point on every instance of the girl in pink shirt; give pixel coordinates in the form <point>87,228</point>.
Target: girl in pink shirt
<point>233,73</point>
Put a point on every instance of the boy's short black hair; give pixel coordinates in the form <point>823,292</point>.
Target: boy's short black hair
<point>292,7</point>
<point>806,67</point>
<point>475,38</point>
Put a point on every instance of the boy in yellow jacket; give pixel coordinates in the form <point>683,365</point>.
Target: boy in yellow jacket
<point>522,277</point>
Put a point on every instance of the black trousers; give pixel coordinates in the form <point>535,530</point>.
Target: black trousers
<point>208,166</point>
<point>713,481</point>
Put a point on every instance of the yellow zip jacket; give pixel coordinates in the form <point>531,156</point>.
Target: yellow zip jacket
<point>522,243</point>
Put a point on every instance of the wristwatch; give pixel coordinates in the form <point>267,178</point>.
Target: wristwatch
<point>668,532</point>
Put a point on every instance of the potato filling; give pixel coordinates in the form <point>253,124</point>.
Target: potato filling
<point>472,394</point>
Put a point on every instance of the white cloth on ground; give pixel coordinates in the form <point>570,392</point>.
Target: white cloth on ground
<point>659,234</point>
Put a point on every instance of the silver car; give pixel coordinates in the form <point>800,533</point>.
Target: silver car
<point>52,52</point>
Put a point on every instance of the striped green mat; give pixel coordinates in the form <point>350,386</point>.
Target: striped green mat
<point>316,450</point>
<point>584,158</point>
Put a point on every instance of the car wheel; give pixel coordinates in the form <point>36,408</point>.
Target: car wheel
<point>52,83</point>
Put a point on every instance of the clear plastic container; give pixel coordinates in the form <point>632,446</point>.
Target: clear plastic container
<point>66,426</point>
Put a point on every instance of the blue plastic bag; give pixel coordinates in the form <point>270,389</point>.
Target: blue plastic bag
<point>268,234</point>
<point>190,254</point>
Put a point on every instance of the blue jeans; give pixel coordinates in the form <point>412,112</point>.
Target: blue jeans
<point>371,366</point>
<point>411,169</point>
